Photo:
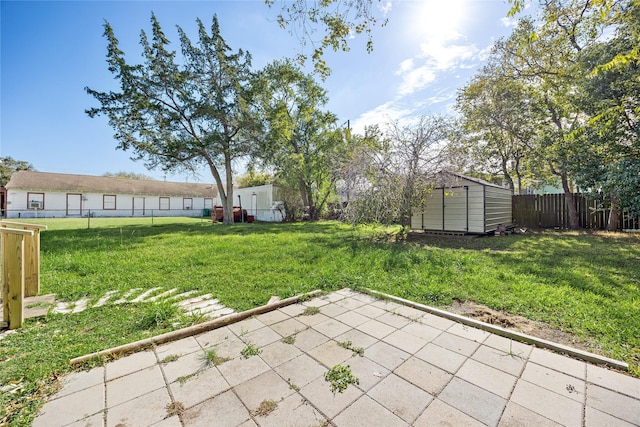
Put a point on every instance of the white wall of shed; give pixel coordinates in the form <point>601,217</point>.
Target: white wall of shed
<point>498,208</point>
<point>431,216</point>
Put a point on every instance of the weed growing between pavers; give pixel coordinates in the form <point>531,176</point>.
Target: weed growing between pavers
<point>160,314</point>
<point>349,346</point>
<point>184,378</point>
<point>310,311</point>
<point>340,377</point>
<point>292,386</point>
<point>289,340</point>
<point>170,358</point>
<point>194,318</point>
<point>174,408</point>
<point>266,407</point>
<point>211,358</point>
<point>250,350</point>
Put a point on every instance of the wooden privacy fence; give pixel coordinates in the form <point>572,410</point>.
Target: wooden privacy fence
<point>550,211</point>
<point>20,258</point>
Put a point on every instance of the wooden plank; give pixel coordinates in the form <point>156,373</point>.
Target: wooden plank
<point>5,230</point>
<point>13,279</point>
<point>32,255</point>
<point>24,225</point>
<point>32,264</point>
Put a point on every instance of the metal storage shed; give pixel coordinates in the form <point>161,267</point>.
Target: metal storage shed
<point>463,205</point>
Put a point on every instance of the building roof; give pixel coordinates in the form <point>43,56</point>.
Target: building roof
<point>451,179</point>
<point>45,181</point>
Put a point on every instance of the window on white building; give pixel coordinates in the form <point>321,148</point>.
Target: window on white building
<point>109,201</point>
<point>35,200</point>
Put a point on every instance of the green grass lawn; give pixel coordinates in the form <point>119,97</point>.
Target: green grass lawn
<point>585,284</point>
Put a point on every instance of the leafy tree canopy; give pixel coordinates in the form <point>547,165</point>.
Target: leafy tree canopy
<point>8,165</point>
<point>181,113</point>
<point>252,178</point>
<point>298,140</point>
<point>336,21</point>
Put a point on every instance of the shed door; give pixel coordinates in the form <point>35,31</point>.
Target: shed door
<point>432,214</point>
<point>138,206</point>
<point>455,209</point>
<point>74,204</point>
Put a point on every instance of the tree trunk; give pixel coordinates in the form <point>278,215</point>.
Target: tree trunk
<point>223,193</point>
<point>507,175</point>
<point>303,194</point>
<point>574,224</point>
<point>614,215</point>
<point>227,205</point>
<point>518,175</point>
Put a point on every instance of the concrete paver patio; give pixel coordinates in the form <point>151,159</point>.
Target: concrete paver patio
<point>416,369</point>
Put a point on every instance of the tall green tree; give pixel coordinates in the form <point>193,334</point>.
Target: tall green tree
<point>496,130</point>
<point>180,114</point>
<point>8,165</point>
<point>544,56</point>
<point>299,140</point>
<point>610,159</point>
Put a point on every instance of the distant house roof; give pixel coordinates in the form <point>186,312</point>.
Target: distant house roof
<point>44,181</point>
<point>451,179</point>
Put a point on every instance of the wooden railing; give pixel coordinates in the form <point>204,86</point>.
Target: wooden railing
<point>20,258</point>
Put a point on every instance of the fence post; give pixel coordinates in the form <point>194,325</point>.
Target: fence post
<point>13,275</point>
<point>32,255</point>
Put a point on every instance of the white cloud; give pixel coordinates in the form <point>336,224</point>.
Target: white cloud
<point>415,79</point>
<point>385,113</point>
<point>509,22</point>
<point>446,56</point>
<point>434,59</point>
<point>385,8</point>
<point>437,27</point>
<point>405,66</point>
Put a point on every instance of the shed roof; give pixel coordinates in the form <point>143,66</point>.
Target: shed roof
<point>451,179</point>
<point>45,181</point>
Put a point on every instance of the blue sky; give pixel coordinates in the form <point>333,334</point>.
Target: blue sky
<point>51,50</point>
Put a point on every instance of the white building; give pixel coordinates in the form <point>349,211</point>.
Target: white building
<point>41,194</point>
<point>262,202</point>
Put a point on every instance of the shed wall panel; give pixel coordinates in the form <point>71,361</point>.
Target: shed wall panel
<point>498,208</point>
<point>433,211</point>
<point>455,209</point>
<point>476,208</point>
